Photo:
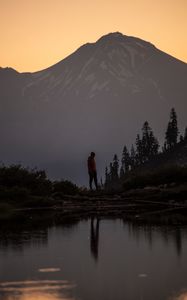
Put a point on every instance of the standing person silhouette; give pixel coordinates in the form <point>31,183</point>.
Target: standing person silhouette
<point>92,170</point>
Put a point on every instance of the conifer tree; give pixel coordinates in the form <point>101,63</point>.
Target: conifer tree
<point>172,130</point>
<point>164,148</point>
<point>115,168</point>
<point>139,150</point>
<point>111,173</point>
<point>146,147</point>
<point>107,177</point>
<point>132,157</point>
<point>154,145</point>
<point>122,173</point>
<point>145,141</point>
<point>125,161</point>
<point>149,142</point>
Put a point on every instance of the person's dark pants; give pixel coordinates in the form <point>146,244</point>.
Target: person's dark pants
<point>93,176</point>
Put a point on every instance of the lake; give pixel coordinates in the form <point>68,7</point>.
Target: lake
<point>93,259</point>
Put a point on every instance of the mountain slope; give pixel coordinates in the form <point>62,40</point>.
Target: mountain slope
<point>95,99</point>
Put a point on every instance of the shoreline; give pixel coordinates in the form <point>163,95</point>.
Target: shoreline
<point>138,204</point>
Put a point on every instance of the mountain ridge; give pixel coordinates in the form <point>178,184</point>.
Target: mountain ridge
<point>97,98</point>
<point>108,36</point>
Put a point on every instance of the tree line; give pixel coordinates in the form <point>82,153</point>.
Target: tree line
<point>145,149</point>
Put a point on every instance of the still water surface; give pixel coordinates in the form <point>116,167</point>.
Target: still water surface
<point>94,260</point>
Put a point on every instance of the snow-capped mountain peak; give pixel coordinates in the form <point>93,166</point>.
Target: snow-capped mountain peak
<point>114,57</point>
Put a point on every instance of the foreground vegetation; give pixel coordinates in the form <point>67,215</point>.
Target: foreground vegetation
<point>22,190</point>
<point>22,187</point>
<point>145,165</point>
<point>166,176</point>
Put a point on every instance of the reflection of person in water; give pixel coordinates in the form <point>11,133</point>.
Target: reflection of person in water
<point>94,237</point>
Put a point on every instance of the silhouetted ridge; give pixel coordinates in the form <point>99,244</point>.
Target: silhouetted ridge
<point>8,70</point>
<point>112,36</point>
<point>116,37</point>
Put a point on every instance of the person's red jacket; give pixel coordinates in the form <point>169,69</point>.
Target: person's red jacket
<point>91,164</point>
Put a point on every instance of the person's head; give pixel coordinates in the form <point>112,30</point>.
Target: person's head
<point>92,154</point>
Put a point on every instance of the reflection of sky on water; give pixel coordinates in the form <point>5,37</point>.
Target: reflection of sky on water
<point>36,290</point>
<point>107,259</point>
<point>182,296</point>
<point>49,270</point>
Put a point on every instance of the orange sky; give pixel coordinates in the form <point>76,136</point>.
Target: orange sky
<point>38,33</point>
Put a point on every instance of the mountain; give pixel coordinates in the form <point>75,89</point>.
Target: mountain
<point>96,99</point>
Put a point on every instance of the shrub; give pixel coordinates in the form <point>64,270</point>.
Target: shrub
<point>164,175</point>
<point>65,187</point>
<point>34,181</point>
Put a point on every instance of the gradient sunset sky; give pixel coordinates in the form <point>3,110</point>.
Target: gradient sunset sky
<point>38,33</point>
